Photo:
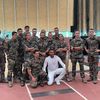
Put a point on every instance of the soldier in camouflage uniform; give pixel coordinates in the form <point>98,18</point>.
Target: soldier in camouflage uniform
<point>42,44</point>
<point>51,42</point>
<point>77,46</point>
<point>44,31</point>
<point>56,35</point>
<point>34,37</point>
<point>34,67</point>
<point>61,51</point>
<point>26,30</point>
<point>92,48</point>
<point>2,61</point>
<point>29,47</point>
<point>20,59</point>
<point>12,58</point>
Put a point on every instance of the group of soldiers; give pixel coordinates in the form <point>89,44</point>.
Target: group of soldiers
<point>26,54</point>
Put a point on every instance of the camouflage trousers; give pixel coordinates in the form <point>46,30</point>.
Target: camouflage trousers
<point>14,69</point>
<point>2,70</point>
<point>40,78</point>
<point>93,66</point>
<point>11,65</point>
<point>74,62</point>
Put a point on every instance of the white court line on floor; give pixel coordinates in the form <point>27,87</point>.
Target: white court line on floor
<point>29,93</point>
<point>74,90</point>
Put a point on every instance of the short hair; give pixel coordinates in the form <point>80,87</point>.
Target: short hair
<point>56,28</point>
<point>13,33</point>
<point>34,29</point>
<point>19,29</point>
<point>51,48</point>
<point>26,34</point>
<point>26,26</point>
<point>91,29</point>
<point>36,51</point>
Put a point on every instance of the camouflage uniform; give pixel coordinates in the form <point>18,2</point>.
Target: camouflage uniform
<point>42,45</point>
<point>12,58</point>
<point>36,69</point>
<point>35,38</point>
<point>92,45</point>
<point>77,56</point>
<point>27,56</point>
<point>29,44</point>
<point>62,54</point>
<point>51,44</point>
<point>2,62</point>
<point>20,58</point>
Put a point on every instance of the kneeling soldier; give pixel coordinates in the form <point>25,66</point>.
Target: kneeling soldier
<point>35,72</point>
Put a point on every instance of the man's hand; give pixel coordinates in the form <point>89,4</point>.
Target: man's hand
<point>77,48</point>
<point>97,50</point>
<point>33,79</point>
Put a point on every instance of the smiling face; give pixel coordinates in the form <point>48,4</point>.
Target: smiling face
<point>51,53</point>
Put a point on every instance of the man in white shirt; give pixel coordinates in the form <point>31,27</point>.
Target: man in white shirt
<point>52,63</point>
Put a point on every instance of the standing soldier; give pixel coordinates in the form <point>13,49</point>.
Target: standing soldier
<point>62,52</point>
<point>56,35</point>
<point>77,46</point>
<point>2,61</point>
<point>51,42</point>
<point>26,30</point>
<point>29,47</point>
<point>20,59</point>
<point>34,67</point>
<point>34,37</point>
<point>92,48</point>
<point>12,58</point>
<point>42,44</point>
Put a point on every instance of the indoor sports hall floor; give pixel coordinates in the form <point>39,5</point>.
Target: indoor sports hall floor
<point>75,90</point>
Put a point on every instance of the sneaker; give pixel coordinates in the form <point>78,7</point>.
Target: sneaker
<point>58,82</point>
<point>10,84</point>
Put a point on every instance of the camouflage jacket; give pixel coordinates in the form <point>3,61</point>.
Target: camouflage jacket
<point>92,44</point>
<point>61,54</point>
<point>35,65</point>
<point>77,43</point>
<point>13,49</point>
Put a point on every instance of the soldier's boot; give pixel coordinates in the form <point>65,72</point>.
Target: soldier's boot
<point>84,80</point>
<point>67,78</point>
<point>0,78</point>
<point>3,77</point>
<point>90,79</point>
<point>94,80</point>
<point>22,82</point>
<point>73,78</point>
<point>10,83</point>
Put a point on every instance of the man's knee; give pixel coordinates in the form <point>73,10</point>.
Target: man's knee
<point>33,84</point>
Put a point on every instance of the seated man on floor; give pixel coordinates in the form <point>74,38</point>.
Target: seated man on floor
<point>34,67</point>
<point>51,62</point>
